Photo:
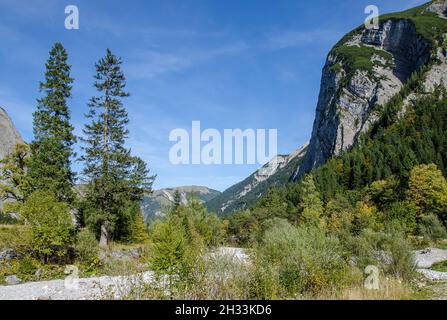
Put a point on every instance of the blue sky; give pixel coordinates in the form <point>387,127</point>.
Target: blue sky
<point>230,64</point>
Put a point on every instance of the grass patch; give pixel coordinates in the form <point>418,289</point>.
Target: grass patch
<point>440,266</point>
<point>428,24</point>
<point>361,58</point>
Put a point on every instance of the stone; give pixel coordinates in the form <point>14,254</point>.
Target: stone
<point>12,280</point>
<point>38,273</point>
<point>8,254</point>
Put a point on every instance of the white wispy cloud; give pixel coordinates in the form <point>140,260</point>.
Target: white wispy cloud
<point>153,63</point>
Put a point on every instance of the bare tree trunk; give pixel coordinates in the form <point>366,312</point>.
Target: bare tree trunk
<point>104,240</point>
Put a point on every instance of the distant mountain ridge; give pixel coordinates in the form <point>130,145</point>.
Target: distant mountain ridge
<point>245,193</point>
<point>155,204</point>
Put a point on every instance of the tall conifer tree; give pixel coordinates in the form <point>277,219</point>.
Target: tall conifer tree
<point>115,177</point>
<point>52,148</point>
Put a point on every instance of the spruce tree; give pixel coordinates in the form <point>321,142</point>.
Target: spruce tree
<point>52,149</point>
<point>311,204</point>
<point>177,200</point>
<point>115,178</point>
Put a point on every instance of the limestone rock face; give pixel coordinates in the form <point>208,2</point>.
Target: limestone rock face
<point>276,172</point>
<point>350,96</point>
<point>9,136</point>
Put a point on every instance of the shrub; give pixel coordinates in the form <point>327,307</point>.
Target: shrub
<point>390,251</point>
<point>428,189</point>
<point>405,213</point>
<point>51,224</point>
<point>86,246</point>
<point>306,259</point>
<point>16,237</point>
<point>171,256</point>
<point>431,228</point>
<point>397,246</point>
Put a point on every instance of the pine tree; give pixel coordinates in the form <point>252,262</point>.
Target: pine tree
<point>140,234</point>
<point>177,200</point>
<point>116,179</point>
<point>52,148</point>
<point>311,204</point>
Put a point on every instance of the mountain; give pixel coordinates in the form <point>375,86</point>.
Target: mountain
<point>9,136</point>
<point>363,72</point>
<point>369,67</point>
<point>245,193</point>
<point>154,204</point>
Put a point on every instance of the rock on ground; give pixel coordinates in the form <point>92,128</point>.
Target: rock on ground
<point>426,258</point>
<point>72,289</point>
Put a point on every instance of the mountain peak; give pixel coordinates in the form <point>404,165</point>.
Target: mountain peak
<point>366,69</point>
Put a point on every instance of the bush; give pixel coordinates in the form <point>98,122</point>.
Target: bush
<point>431,228</point>
<point>390,251</point>
<point>51,225</point>
<point>305,258</point>
<point>405,213</point>
<point>86,246</point>
<point>171,256</point>
<point>402,263</point>
<point>16,237</point>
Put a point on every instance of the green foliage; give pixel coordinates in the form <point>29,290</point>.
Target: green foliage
<point>171,256</point>
<point>440,266</point>
<point>310,202</point>
<point>389,250</point>
<point>355,58</point>
<point>398,247</point>
<point>16,237</point>
<point>50,223</point>
<point>391,150</point>
<point>6,218</point>
<point>180,241</point>
<point>87,246</point>
<point>428,190</point>
<point>405,213</point>
<point>431,228</point>
<point>199,224</point>
<point>241,226</point>
<point>115,177</point>
<point>15,184</point>
<point>428,24</point>
<point>305,259</point>
<point>49,167</point>
<point>139,230</point>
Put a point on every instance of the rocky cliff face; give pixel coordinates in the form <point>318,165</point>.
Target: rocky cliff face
<point>364,71</point>
<point>9,136</point>
<point>247,192</point>
<point>154,205</point>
